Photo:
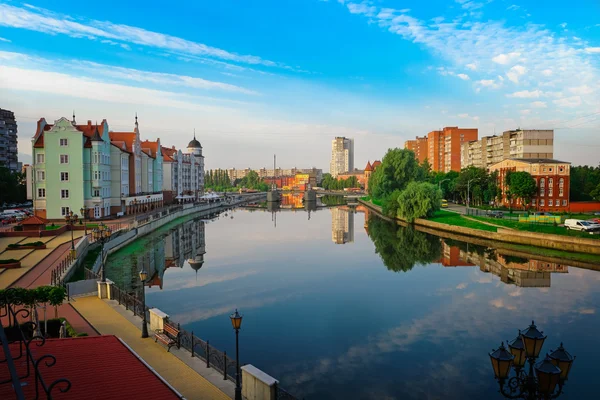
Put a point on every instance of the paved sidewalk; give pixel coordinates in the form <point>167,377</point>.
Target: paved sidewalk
<point>108,319</point>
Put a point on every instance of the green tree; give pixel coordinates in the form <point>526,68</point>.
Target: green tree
<point>418,200</point>
<point>12,186</point>
<point>596,193</point>
<point>521,186</point>
<point>479,180</point>
<point>398,168</point>
<point>401,248</point>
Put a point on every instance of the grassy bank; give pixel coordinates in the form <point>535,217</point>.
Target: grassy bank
<point>538,228</point>
<point>452,218</point>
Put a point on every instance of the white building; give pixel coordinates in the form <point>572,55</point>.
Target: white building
<point>342,156</point>
<point>183,173</point>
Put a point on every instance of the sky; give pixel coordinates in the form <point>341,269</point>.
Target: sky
<point>264,77</point>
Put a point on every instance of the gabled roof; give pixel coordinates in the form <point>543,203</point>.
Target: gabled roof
<point>376,164</point>
<point>168,153</point>
<point>89,129</point>
<point>120,145</point>
<point>34,220</point>
<point>126,137</point>
<point>368,167</point>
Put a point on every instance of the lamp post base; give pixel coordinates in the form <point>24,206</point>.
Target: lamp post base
<point>145,331</point>
<point>238,393</point>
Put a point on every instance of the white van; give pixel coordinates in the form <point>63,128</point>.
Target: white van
<point>581,225</point>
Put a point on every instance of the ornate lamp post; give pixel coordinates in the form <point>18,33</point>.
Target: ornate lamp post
<point>236,322</point>
<point>84,214</point>
<point>71,219</point>
<point>143,278</point>
<point>543,377</point>
<point>102,234</point>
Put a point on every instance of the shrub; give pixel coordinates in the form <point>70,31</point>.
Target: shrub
<point>9,261</point>
<point>418,200</point>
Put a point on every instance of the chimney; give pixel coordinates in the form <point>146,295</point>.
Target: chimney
<point>89,122</point>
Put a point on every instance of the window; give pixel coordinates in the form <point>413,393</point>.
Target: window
<point>96,174</point>
<point>64,211</point>
<point>39,158</point>
<point>41,193</point>
<point>550,187</point>
<point>64,176</point>
<point>564,202</point>
<point>64,193</point>
<point>533,202</point>
<point>542,202</point>
<point>64,158</point>
<point>64,142</point>
<point>550,202</point>
<point>96,193</point>
<point>41,175</point>
<point>550,169</point>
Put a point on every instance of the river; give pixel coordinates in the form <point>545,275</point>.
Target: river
<point>339,304</point>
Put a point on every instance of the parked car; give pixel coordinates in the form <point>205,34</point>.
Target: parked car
<point>494,214</point>
<point>581,225</point>
<point>444,203</point>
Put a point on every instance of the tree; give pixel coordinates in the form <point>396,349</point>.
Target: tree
<point>584,181</point>
<point>401,248</point>
<point>389,205</point>
<point>521,185</point>
<point>12,186</point>
<point>419,199</point>
<point>398,168</point>
<point>596,193</point>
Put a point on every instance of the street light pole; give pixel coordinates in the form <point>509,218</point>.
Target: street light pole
<point>143,277</point>
<point>469,192</point>
<point>236,322</point>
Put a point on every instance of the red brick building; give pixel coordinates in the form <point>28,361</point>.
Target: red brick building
<point>419,147</point>
<point>552,178</point>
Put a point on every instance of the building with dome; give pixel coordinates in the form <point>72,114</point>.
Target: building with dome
<point>183,173</point>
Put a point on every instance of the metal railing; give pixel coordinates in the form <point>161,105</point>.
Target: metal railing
<point>213,357</point>
<point>56,278</point>
<point>24,367</point>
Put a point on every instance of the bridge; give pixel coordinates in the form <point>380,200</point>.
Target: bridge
<point>348,195</point>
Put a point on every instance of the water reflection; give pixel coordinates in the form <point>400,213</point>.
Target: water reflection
<point>342,225</point>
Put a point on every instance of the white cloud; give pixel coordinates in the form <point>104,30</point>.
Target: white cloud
<point>463,115</point>
<point>583,89</point>
<point>472,66</point>
<point>539,104</point>
<point>362,8</point>
<point>40,20</point>
<point>461,286</point>
<point>513,7</point>
<point>490,83</point>
<point>547,72</point>
<point>515,72</point>
<point>568,102</point>
<point>505,58</point>
<point>4,40</point>
<point>525,112</point>
<point>464,77</point>
<point>526,94</point>
<point>592,50</point>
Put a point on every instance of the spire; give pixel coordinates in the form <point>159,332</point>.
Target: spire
<point>96,136</point>
<point>136,121</point>
<point>73,122</point>
<point>194,133</point>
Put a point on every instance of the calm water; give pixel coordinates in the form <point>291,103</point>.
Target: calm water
<point>338,304</point>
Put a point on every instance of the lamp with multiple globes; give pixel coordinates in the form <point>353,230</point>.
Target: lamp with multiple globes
<point>543,377</point>
<point>102,234</point>
<point>70,220</point>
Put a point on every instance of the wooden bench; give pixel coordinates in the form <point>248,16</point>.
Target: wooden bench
<point>169,335</point>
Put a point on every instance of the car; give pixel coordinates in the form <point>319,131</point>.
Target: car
<point>581,225</point>
<point>444,203</point>
<point>494,214</point>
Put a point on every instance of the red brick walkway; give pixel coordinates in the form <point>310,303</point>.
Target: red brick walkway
<point>41,275</point>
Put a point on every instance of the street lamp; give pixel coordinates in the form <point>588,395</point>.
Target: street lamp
<point>84,213</point>
<point>143,278</point>
<point>469,191</point>
<point>543,377</point>
<point>71,219</point>
<point>236,323</point>
<point>102,234</point>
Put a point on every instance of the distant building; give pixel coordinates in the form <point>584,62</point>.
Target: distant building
<point>342,225</point>
<point>342,156</point>
<point>359,174</point>
<point>8,141</point>
<point>419,147</point>
<point>442,149</point>
<point>183,173</point>
<point>529,143</point>
<point>369,169</point>
<point>552,178</point>
<point>263,173</point>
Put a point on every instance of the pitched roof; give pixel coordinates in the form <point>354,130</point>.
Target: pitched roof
<point>368,167</point>
<point>539,161</point>
<point>34,220</point>
<point>120,145</point>
<point>127,137</point>
<point>89,129</point>
<point>376,164</point>
<point>83,361</point>
<point>168,153</point>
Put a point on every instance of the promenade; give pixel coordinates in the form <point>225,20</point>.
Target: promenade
<point>111,319</point>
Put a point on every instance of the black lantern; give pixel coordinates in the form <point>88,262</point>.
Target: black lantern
<point>143,278</point>
<point>236,320</point>
<point>533,340</point>
<point>236,323</point>
<point>517,349</point>
<point>501,362</point>
<point>548,376</point>
<point>563,360</point>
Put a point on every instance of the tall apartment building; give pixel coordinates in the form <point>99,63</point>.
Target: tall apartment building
<point>419,147</point>
<point>342,225</point>
<point>8,141</point>
<point>88,166</point>
<point>342,156</point>
<point>442,149</point>
<point>511,144</point>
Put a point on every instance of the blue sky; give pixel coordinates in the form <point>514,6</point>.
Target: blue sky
<point>285,76</point>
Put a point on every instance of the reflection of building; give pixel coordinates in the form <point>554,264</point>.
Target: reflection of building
<point>187,242</point>
<point>551,176</point>
<point>342,156</point>
<point>315,173</point>
<point>292,182</point>
<point>290,200</point>
<point>518,271</point>
<point>342,225</point>
<point>153,262</point>
<point>451,257</point>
